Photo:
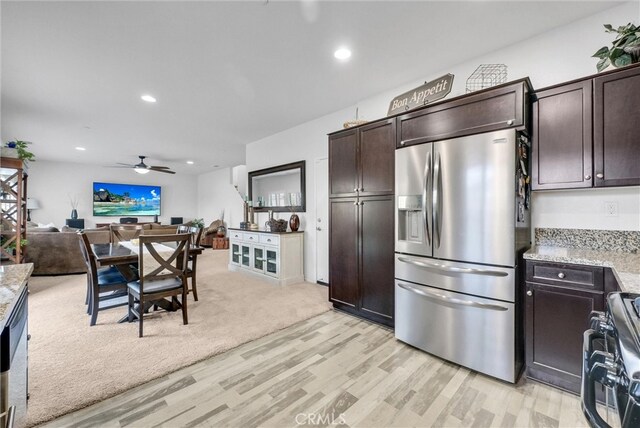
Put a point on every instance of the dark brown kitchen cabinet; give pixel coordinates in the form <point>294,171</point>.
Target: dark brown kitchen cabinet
<point>559,299</point>
<point>487,110</point>
<point>585,132</point>
<point>616,119</point>
<point>361,256</point>
<point>562,153</point>
<point>361,160</point>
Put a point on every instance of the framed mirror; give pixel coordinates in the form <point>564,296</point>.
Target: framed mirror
<point>279,188</point>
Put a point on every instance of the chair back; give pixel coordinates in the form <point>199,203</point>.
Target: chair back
<point>125,232</point>
<point>166,264</point>
<point>88,255</point>
<point>128,220</point>
<point>196,233</point>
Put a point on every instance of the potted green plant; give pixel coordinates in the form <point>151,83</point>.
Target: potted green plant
<point>625,49</point>
<point>18,149</point>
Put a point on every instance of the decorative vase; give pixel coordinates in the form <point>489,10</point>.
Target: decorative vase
<point>221,231</point>
<point>294,222</point>
<point>74,214</point>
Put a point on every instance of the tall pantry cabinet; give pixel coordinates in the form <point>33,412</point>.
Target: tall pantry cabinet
<point>361,215</point>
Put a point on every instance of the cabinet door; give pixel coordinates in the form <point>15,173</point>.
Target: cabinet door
<point>245,255</point>
<point>562,138</point>
<point>556,318</point>
<point>258,258</point>
<point>343,163</point>
<point>377,257</point>
<point>235,253</point>
<point>272,259</point>
<point>343,251</point>
<point>377,158</point>
<point>616,118</point>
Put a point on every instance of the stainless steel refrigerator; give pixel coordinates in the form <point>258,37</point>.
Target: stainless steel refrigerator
<point>460,224</point>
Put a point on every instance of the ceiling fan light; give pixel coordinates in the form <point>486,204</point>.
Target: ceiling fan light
<point>141,170</point>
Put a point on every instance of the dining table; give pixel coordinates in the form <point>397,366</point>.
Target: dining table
<point>124,258</point>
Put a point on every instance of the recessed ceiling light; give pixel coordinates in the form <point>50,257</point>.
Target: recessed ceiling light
<point>190,162</point>
<point>342,54</point>
<point>82,149</point>
<point>216,166</point>
<point>148,98</point>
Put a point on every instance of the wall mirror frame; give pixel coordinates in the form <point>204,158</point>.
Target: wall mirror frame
<point>273,176</point>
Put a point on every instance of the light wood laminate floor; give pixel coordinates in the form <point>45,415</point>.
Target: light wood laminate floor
<point>331,368</point>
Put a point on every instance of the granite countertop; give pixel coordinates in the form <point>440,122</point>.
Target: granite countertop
<point>625,266</point>
<point>263,231</point>
<point>13,279</point>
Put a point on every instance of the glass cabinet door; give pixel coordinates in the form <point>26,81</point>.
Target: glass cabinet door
<point>246,255</point>
<point>235,253</point>
<point>273,262</point>
<point>258,259</point>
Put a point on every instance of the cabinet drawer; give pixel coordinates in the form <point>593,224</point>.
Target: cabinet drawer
<point>575,276</point>
<point>251,237</point>
<point>269,239</point>
<point>486,111</point>
<point>237,236</point>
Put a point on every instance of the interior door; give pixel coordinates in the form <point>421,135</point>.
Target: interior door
<point>474,198</point>
<point>322,217</point>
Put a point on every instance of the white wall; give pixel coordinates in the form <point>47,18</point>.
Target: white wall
<point>554,57</point>
<point>216,193</point>
<point>51,183</point>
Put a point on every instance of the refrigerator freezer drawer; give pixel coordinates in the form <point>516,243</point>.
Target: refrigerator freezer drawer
<point>479,280</point>
<point>473,332</point>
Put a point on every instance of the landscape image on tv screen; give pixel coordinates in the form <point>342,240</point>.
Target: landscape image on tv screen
<point>111,199</point>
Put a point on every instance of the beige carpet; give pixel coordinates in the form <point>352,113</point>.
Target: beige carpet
<point>72,365</point>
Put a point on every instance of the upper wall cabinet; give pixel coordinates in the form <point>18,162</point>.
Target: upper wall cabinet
<point>616,132</point>
<point>487,110</point>
<point>361,161</point>
<point>562,137</point>
<point>585,133</point>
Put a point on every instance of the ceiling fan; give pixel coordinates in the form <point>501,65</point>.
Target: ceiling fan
<point>143,168</point>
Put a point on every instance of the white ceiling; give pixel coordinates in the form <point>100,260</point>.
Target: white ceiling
<point>226,73</point>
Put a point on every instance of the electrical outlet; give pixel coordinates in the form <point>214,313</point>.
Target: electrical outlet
<point>611,209</point>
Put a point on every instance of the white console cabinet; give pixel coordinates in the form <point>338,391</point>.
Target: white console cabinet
<point>277,257</point>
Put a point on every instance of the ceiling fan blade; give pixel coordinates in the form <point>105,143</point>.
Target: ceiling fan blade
<point>166,171</point>
<point>125,164</point>
<point>160,167</point>
<point>118,166</point>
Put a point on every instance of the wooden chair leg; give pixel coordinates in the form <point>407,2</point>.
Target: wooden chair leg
<point>194,286</point>
<point>185,318</point>
<point>95,306</point>
<point>87,297</point>
<point>140,318</point>
<point>130,307</point>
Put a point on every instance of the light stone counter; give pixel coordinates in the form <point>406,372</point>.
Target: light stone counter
<point>13,279</point>
<point>625,266</point>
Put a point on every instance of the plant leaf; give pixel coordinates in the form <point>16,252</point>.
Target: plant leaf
<point>615,53</point>
<point>608,27</point>
<point>623,60</point>
<point>603,52</point>
<point>602,64</point>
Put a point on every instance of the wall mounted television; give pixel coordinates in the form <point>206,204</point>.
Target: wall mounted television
<point>112,199</point>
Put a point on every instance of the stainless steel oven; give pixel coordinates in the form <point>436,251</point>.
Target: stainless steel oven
<point>617,367</point>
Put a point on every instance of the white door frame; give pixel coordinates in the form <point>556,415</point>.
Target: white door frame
<point>321,219</point>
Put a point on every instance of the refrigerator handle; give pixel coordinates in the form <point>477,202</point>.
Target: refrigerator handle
<point>437,190</point>
<point>426,200</point>
<point>446,300</point>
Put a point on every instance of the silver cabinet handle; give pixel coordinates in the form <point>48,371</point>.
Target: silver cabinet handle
<point>402,143</point>
<point>510,122</point>
<point>452,269</point>
<point>362,189</point>
<point>355,190</point>
<point>600,175</point>
<point>561,275</point>
<point>450,300</point>
<point>587,177</point>
<point>529,293</point>
<point>361,203</point>
<point>425,198</point>
<point>318,228</point>
<point>355,203</point>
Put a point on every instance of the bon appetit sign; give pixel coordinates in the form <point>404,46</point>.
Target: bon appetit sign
<point>422,95</point>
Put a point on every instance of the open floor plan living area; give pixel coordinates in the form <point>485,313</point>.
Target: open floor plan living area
<point>292,213</point>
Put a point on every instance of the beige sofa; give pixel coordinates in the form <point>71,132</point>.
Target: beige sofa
<point>58,253</point>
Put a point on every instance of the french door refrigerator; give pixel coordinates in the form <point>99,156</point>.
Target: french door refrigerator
<point>460,226</point>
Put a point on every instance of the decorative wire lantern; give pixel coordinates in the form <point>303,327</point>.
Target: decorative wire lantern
<point>486,76</point>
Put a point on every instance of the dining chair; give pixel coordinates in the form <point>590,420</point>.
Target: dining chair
<point>196,234</point>
<point>125,232</point>
<point>162,274</point>
<point>106,287</point>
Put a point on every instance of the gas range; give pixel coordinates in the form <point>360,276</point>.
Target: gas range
<point>617,366</point>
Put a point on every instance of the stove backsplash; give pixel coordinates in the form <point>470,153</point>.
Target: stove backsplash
<point>627,241</point>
